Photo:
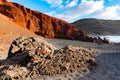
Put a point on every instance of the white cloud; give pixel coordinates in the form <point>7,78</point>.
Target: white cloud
<point>72,4</point>
<point>52,13</point>
<point>85,8</point>
<point>69,4</point>
<point>67,1</point>
<point>54,3</point>
<point>109,0</point>
<point>109,13</point>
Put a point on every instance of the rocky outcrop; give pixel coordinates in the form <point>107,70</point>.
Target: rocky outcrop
<point>2,1</point>
<point>30,58</point>
<point>42,24</point>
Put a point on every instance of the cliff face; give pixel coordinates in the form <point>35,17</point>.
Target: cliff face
<point>42,24</point>
<point>3,1</point>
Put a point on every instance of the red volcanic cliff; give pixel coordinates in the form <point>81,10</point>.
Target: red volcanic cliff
<point>41,24</point>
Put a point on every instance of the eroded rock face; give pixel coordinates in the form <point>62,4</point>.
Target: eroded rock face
<point>35,57</point>
<point>40,23</point>
<point>3,1</point>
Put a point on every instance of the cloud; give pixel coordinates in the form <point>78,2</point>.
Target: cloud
<point>67,1</point>
<point>109,13</point>
<point>84,8</point>
<point>74,10</point>
<point>54,3</point>
<point>72,4</point>
<point>68,4</point>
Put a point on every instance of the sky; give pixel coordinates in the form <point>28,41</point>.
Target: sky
<point>72,10</point>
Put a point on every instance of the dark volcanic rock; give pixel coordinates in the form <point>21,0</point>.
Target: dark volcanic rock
<point>29,57</point>
<point>22,49</point>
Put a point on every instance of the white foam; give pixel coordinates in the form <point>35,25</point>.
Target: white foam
<point>115,39</point>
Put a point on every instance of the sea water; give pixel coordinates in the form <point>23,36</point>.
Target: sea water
<point>115,39</point>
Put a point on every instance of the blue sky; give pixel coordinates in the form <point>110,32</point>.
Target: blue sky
<point>72,10</point>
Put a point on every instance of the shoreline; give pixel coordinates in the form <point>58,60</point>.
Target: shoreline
<point>114,39</point>
<point>107,59</point>
<point>107,56</point>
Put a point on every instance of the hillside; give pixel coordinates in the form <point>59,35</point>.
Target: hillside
<point>8,32</point>
<point>40,23</point>
<point>99,27</point>
<point>8,27</point>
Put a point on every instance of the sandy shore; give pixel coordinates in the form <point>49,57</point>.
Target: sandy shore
<point>104,48</point>
<point>107,56</point>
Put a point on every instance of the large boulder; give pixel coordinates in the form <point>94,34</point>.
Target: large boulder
<point>36,57</point>
<point>24,48</point>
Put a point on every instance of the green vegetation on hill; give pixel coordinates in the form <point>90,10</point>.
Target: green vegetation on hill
<point>99,26</point>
